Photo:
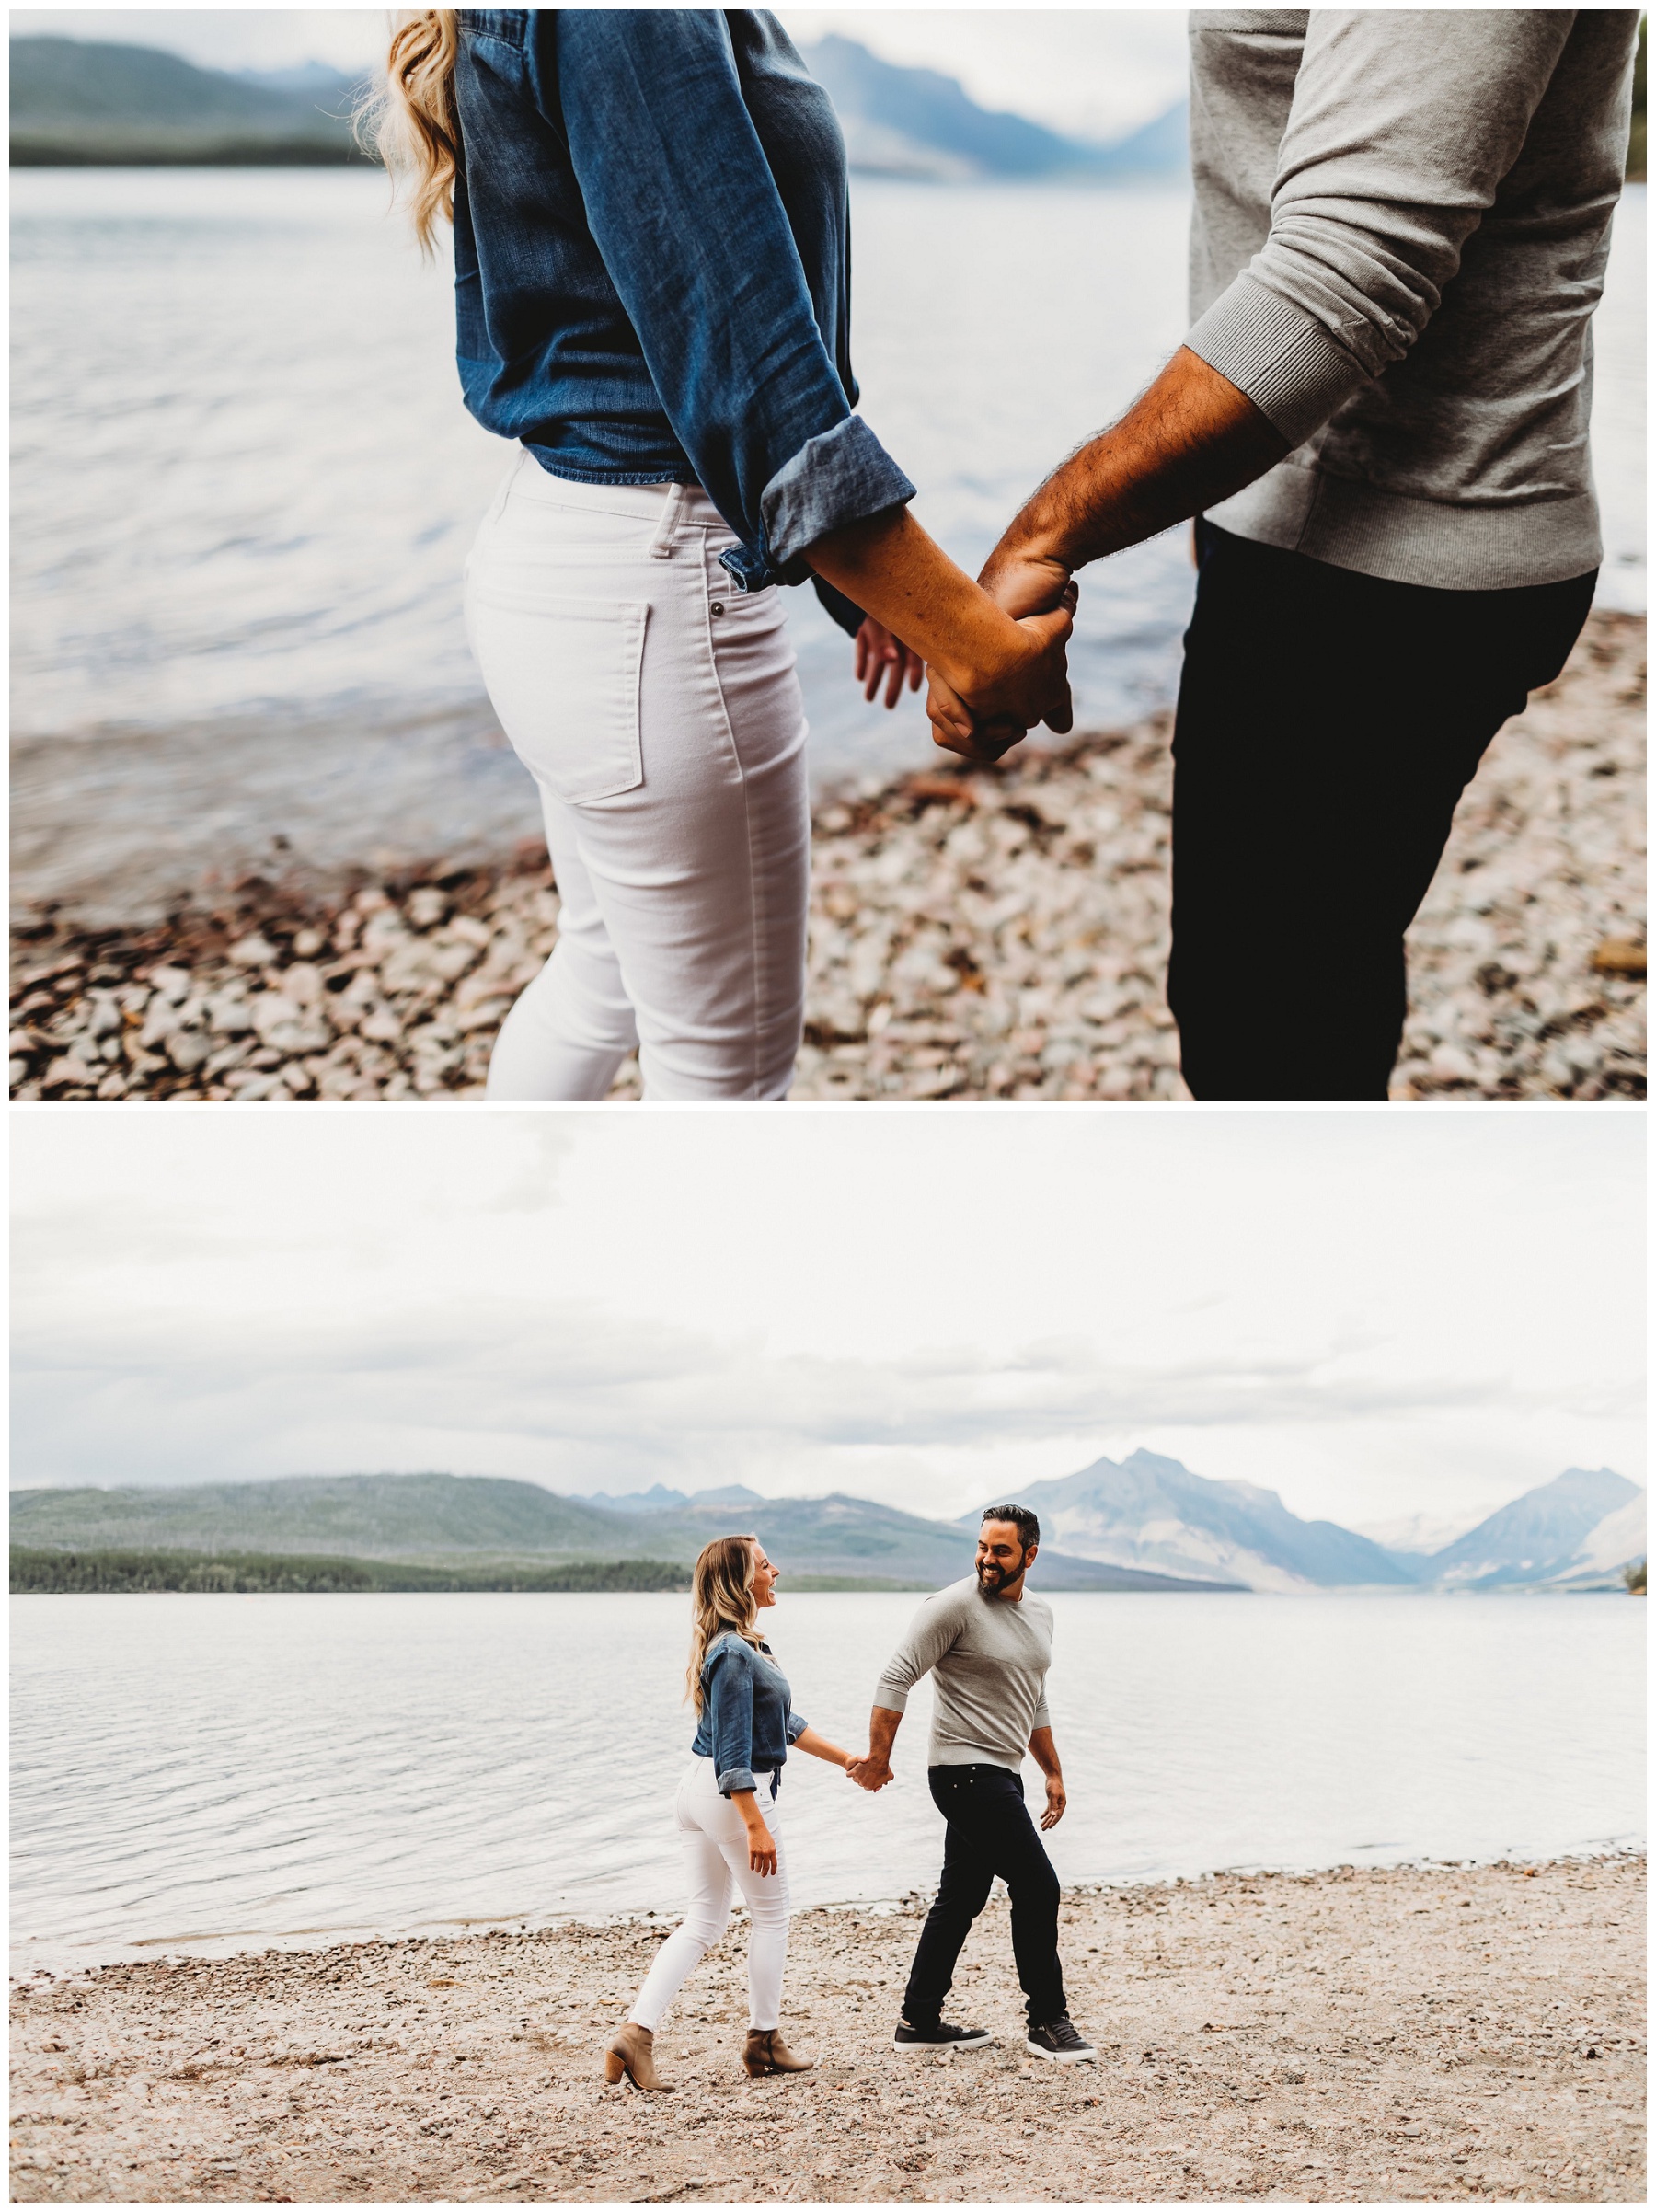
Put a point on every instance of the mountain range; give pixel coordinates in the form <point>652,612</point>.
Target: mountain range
<point>905,121</point>
<point>1145,1523</point>
<point>479,1522</point>
<point>93,103</point>
<point>1575,1532</point>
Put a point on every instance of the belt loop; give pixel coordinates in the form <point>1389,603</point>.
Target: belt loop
<point>661,542</point>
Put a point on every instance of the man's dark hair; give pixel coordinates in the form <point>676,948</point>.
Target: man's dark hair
<point>1021,1518</point>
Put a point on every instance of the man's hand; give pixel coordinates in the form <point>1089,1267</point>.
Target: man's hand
<point>1033,586</point>
<point>1027,582</point>
<point>1044,1753</point>
<point>874,1771</point>
<point>869,1773</point>
<point>1030,685</point>
<point>880,657</point>
<point>958,729</point>
<point>1189,441</point>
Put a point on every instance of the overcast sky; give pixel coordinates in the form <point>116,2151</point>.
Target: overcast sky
<point>1372,1312</point>
<point>1095,71</point>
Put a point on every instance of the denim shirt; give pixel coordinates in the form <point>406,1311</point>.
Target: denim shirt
<point>652,267</point>
<point>747,1718</point>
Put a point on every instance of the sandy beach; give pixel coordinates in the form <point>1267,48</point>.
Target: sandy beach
<point>996,934</point>
<point>1412,2034</point>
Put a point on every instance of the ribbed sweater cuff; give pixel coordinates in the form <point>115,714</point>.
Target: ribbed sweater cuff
<point>1286,360</point>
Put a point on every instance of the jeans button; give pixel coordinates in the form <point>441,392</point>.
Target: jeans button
<point>718,606</point>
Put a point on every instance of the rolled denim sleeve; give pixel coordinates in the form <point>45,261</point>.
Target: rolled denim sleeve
<point>1403,125</point>
<point>796,1725</point>
<point>729,1695</point>
<point>687,216</point>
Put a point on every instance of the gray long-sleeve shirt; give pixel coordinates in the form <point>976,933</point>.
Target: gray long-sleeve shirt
<point>1401,225</point>
<point>988,1660</point>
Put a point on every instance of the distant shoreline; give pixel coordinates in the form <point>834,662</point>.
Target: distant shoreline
<point>39,1572</point>
<point>272,154</point>
<point>105,1571</point>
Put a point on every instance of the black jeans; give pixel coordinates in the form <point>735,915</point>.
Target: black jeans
<point>1328,724</point>
<point>989,1832</point>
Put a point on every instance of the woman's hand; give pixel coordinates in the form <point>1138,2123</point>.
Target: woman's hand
<point>880,655</point>
<point>762,1844</point>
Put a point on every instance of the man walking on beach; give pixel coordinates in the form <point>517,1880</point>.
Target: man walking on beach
<point>987,1644</point>
<point>1380,414</point>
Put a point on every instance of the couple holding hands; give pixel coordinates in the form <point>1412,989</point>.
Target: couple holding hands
<point>987,1644</point>
<point>1379,417</point>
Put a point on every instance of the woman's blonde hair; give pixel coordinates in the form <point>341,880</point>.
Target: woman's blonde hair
<point>409,121</point>
<point>721,1599</point>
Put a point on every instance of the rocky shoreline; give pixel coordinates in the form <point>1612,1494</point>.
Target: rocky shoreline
<point>990,934</point>
<point>1418,2033</point>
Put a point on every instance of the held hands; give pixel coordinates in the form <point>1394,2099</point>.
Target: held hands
<point>1033,686</point>
<point>868,1773</point>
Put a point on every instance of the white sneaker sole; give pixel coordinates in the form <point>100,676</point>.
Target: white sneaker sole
<point>1061,2057</point>
<point>964,2042</point>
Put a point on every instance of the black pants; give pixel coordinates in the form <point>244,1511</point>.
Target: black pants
<point>1328,724</point>
<point>989,1832</point>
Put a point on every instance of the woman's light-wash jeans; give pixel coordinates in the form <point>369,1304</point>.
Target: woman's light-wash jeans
<point>716,1853</point>
<point>658,708</point>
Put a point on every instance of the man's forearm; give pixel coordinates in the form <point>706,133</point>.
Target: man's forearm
<point>1191,440</point>
<point>1044,1752</point>
<point>883,1725</point>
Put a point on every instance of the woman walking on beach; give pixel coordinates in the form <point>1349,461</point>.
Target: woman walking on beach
<point>652,255</point>
<point>727,1810</point>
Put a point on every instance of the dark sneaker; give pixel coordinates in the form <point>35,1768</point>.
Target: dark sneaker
<point>1058,2039</point>
<point>942,2035</point>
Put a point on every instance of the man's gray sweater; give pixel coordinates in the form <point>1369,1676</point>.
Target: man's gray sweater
<point>988,1660</point>
<point>1402,220</point>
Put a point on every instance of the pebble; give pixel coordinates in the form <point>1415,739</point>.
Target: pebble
<point>975,934</point>
<point>1371,2036</point>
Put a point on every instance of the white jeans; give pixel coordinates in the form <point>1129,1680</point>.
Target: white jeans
<point>657,707</point>
<point>716,1856</point>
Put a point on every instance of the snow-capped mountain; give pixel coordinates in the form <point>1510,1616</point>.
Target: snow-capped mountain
<point>1584,1523</point>
<point>1153,1513</point>
<point>1417,1534</point>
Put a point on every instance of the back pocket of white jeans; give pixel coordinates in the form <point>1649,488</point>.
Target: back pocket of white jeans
<point>563,676</point>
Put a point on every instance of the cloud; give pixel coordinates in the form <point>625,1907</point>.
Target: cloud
<point>1384,1304</point>
<point>486,1383</point>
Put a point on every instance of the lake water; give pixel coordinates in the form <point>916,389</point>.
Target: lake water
<point>225,1773</point>
<point>243,486</point>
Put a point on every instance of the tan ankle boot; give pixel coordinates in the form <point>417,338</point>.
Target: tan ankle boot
<point>630,2053</point>
<point>765,2053</point>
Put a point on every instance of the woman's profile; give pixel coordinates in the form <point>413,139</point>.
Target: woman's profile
<point>726,1811</point>
<point>652,272</point>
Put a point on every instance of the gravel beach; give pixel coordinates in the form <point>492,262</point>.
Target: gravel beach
<point>1410,2034</point>
<point>990,934</point>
